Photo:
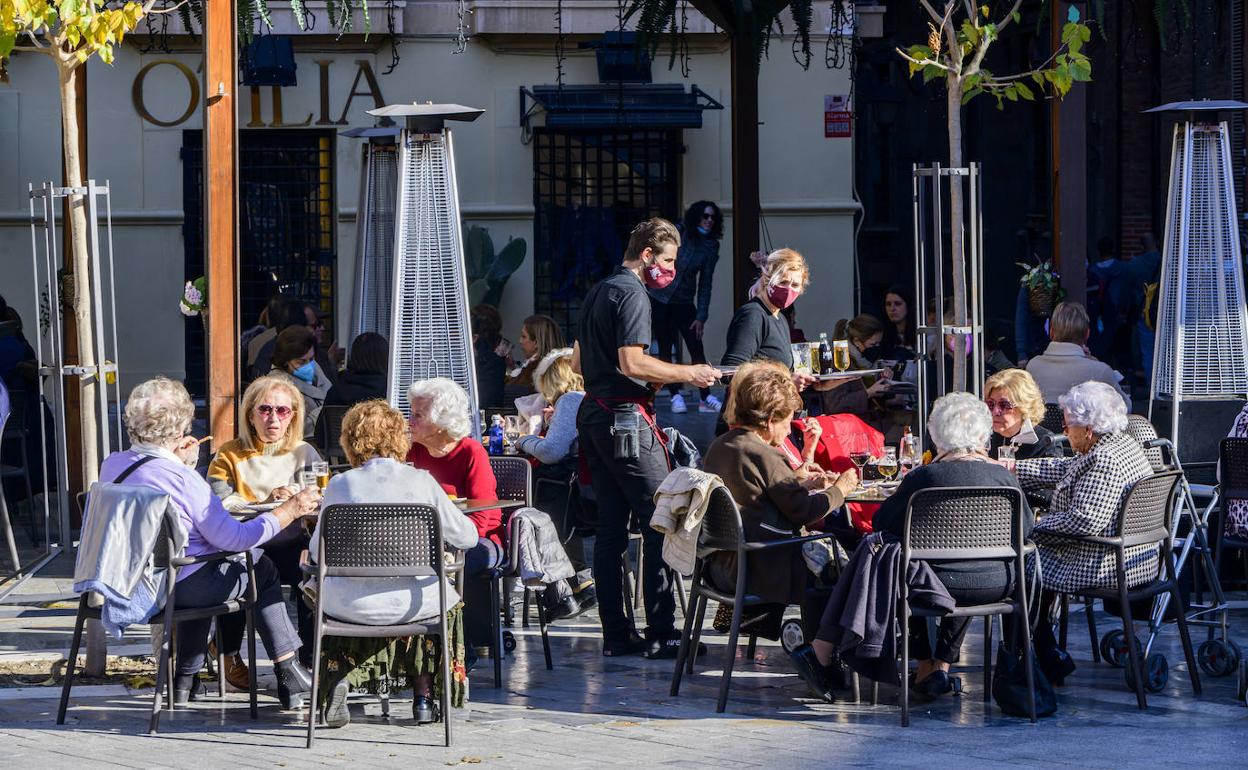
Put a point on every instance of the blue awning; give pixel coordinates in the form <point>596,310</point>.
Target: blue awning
<point>616,105</point>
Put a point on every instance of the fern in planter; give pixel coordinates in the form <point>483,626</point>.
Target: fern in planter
<point>487,271</point>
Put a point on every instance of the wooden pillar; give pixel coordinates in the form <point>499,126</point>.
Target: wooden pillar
<point>745,184</point>
<point>1069,137</point>
<point>221,215</point>
<point>69,334</point>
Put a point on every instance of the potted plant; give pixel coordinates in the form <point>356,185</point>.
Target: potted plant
<point>1044,287</point>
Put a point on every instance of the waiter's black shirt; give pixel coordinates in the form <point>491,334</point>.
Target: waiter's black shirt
<point>616,314</point>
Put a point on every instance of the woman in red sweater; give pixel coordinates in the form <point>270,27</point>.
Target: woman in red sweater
<point>440,423</point>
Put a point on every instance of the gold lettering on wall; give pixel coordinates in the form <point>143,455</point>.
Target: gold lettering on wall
<point>257,121</point>
<point>323,66</point>
<point>136,93</point>
<point>366,70</point>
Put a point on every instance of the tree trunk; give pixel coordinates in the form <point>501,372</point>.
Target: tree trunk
<point>957,245</point>
<point>76,234</point>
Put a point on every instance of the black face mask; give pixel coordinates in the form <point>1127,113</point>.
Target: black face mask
<point>873,353</point>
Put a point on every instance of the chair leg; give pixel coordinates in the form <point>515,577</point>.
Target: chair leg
<point>1064,624</point>
<point>524,610</point>
<point>730,658</point>
<point>541,622</point>
<point>250,615</point>
<point>163,672</point>
<point>71,665</point>
<point>751,647</point>
<point>445,639</point>
<point>1023,619</point>
<point>988,657</point>
<point>317,629</point>
<point>496,634</point>
<point>220,663</point>
<point>699,615</point>
<point>680,594</point>
<point>683,653</point>
<point>1091,616</point>
<point>8,533</point>
<point>1133,654</point>
<point>508,612</point>
<point>904,612</point>
<point>1176,601</point>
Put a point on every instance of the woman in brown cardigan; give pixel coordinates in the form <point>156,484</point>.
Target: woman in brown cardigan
<point>775,502</point>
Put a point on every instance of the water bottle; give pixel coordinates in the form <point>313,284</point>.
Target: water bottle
<point>496,435</point>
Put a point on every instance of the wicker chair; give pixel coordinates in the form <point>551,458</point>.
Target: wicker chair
<point>381,540</point>
<point>721,531</point>
<point>965,524</point>
<point>1053,420</point>
<point>1143,519</point>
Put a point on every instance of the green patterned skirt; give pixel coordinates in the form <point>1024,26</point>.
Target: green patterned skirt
<point>385,665</point>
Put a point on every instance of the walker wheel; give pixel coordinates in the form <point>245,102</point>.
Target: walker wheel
<point>509,642</point>
<point>1114,647</point>
<point>1156,673</point>
<point>1242,691</point>
<point>1217,658</point>
<point>791,636</point>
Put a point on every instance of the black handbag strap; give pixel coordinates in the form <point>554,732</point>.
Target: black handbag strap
<point>133,468</point>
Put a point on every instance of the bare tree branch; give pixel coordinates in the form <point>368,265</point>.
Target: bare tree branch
<point>930,10</point>
<point>1009,17</point>
<point>149,9</point>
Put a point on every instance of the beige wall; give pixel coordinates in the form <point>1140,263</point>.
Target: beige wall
<point>806,179</point>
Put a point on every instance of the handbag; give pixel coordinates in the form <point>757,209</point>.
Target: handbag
<point>1009,685</point>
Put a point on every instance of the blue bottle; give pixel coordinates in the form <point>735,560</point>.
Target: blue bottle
<point>496,436</point>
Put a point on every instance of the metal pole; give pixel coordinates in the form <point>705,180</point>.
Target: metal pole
<point>973,274</point>
<point>920,304</point>
<point>939,279</point>
<point>1185,191</point>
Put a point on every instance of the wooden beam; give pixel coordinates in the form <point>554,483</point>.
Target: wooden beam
<point>743,112</point>
<point>1069,149</point>
<point>221,215</point>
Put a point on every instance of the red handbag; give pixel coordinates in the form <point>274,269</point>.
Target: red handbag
<point>839,433</point>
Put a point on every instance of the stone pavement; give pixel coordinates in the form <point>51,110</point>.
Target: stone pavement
<point>592,711</point>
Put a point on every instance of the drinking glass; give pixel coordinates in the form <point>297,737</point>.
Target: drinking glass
<point>321,469</point>
<point>307,478</point>
<point>887,464</point>
<point>859,455</point>
<point>1005,453</point>
<point>511,431</point>
<point>840,355</point>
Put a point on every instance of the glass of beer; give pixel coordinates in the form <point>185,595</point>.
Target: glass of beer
<point>887,464</point>
<point>321,470</point>
<point>840,355</point>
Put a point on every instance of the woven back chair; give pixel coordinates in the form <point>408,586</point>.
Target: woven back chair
<point>330,432</point>
<point>966,524</point>
<point>1053,420</point>
<point>1233,486</point>
<point>376,540</point>
<point>513,480</point>
<point>1140,429</point>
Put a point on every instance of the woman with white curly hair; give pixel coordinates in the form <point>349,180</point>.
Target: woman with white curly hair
<point>1088,490</point>
<point>440,423</point>
<point>960,426</point>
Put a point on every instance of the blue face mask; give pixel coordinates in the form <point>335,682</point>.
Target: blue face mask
<point>305,372</point>
<point>705,231</point>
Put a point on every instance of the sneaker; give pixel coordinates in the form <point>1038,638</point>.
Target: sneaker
<point>336,712</point>
<point>678,404</point>
<point>669,649</point>
<point>710,405</point>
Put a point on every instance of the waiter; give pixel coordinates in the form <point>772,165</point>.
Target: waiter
<point>625,452</point>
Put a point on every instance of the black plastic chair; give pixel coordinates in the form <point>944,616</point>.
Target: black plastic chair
<point>328,432</point>
<point>966,524</point>
<point>1233,485</point>
<point>1143,519</point>
<point>170,618</point>
<point>722,532</point>
<point>380,541</point>
<point>1054,421</point>
<point>513,478</point>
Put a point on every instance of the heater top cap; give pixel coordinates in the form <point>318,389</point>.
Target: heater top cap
<point>1202,105</point>
<point>427,113</point>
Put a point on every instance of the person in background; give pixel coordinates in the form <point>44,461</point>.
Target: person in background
<point>328,355</point>
<point>1145,271</point>
<point>539,334</point>
<point>899,333</point>
<point>263,465</point>
<point>1235,522</point>
<point>284,312</point>
<point>365,376</point>
<point>293,356</point>
<point>555,451</point>
<point>374,439</point>
<point>680,309</point>
<point>1109,302</point>
<point>1017,408</point>
<point>1066,362</point>
<point>440,422</point>
<point>861,396</point>
<point>17,357</point>
<point>487,342</point>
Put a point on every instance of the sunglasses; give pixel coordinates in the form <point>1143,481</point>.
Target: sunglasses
<point>282,411</point>
<point>708,215</point>
<point>1003,405</point>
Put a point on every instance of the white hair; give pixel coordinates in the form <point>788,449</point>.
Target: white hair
<point>158,411</point>
<point>448,405</point>
<point>1096,406</point>
<point>960,421</point>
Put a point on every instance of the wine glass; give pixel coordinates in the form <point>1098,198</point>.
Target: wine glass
<point>1005,453</point>
<point>321,469</point>
<point>511,431</point>
<point>859,454</point>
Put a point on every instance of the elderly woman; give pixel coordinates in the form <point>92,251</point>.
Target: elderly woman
<point>293,360</point>
<point>263,466</point>
<point>440,424</point>
<point>1088,490</point>
<point>374,438</point>
<point>555,453</point>
<point>1017,408</point>
<point>775,503</point>
<point>959,425</point>
<point>162,455</point>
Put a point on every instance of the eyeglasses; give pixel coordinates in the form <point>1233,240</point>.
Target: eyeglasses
<point>283,412</point>
<point>1002,405</point>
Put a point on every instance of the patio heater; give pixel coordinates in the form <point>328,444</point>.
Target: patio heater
<point>374,230</point>
<point>429,328</point>
<point>1200,372</point>
<point>933,273</point>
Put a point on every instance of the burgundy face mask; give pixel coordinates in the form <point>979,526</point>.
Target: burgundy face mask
<point>782,296</point>
<point>656,276</point>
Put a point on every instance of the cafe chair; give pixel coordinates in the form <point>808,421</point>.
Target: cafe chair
<point>513,477</point>
<point>329,429</point>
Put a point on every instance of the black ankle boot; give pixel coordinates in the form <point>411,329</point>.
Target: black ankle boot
<point>813,673</point>
<point>294,683</point>
<point>186,688</point>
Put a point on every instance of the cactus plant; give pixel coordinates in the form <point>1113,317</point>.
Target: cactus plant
<point>488,272</point>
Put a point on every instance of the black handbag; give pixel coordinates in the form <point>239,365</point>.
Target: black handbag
<point>1009,685</point>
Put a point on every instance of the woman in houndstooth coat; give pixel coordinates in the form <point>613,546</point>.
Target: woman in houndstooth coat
<point>1088,492</point>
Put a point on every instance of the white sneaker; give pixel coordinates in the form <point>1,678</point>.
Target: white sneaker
<point>710,405</point>
<point>678,404</point>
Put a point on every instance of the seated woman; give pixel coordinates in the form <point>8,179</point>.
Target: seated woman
<point>539,334</point>
<point>959,426</point>
<point>775,503</point>
<point>1088,490</point>
<point>865,397</point>
<point>374,438</point>
<point>441,444</point>
<point>158,418</point>
<point>293,356</point>
<point>262,465</point>
<point>556,454</point>
<point>365,376</point>
<point>1017,408</point>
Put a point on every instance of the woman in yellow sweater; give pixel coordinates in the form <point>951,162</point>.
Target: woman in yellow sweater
<point>262,466</point>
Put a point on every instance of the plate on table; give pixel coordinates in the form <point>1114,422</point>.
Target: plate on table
<point>262,507</point>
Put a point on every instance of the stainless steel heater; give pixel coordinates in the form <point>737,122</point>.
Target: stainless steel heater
<point>374,230</point>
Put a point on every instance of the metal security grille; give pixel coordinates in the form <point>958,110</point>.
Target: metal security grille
<point>589,190</point>
<point>286,228</point>
<point>1202,340</point>
<point>430,336</point>
<point>374,249</point>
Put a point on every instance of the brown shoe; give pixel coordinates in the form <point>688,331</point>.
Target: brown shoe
<point>237,675</point>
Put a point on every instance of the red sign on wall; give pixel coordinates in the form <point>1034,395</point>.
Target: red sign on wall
<point>838,117</point>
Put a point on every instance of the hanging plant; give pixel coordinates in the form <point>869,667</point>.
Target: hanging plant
<point>1044,287</point>
<point>194,299</point>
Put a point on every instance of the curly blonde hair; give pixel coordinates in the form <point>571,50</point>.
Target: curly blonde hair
<point>255,393</point>
<point>762,391</point>
<point>372,429</point>
<point>1021,388</point>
